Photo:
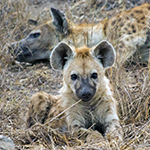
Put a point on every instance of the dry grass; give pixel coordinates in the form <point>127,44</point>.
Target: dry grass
<point>18,81</point>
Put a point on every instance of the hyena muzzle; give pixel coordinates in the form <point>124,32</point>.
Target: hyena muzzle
<point>37,46</point>
<point>83,79</point>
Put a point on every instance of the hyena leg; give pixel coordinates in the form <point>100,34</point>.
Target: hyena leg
<point>39,108</point>
<point>114,131</point>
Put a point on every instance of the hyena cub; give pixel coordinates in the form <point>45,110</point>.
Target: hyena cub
<point>83,79</point>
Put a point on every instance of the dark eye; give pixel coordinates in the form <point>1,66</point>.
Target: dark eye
<point>34,35</point>
<point>94,75</point>
<point>74,77</point>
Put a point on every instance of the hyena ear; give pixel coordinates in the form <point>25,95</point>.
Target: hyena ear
<point>60,21</point>
<point>60,55</point>
<point>105,52</point>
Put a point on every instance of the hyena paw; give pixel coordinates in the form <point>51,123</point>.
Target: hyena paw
<point>88,135</point>
<point>115,138</point>
<point>80,133</point>
<point>94,136</point>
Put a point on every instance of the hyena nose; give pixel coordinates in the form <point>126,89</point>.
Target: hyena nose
<point>12,48</point>
<point>86,94</point>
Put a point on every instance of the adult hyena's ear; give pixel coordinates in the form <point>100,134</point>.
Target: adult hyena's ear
<point>60,55</point>
<point>105,53</point>
<point>60,21</point>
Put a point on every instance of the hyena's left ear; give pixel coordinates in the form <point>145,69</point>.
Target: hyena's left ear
<point>105,53</point>
<point>60,55</point>
<point>60,21</point>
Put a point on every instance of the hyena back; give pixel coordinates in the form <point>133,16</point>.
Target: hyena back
<point>83,79</point>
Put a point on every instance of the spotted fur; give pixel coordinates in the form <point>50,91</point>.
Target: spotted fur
<point>128,32</point>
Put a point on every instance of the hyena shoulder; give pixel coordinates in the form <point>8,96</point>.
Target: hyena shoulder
<point>128,32</point>
<point>41,108</point>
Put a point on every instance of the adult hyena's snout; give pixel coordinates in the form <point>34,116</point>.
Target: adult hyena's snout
<point>27,50</point>
<point>86,91</point>
<point>20,51</point>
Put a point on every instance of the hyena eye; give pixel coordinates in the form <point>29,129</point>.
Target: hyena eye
<point>94,75</point>
<point>34,35</point>
<point>74,77</point>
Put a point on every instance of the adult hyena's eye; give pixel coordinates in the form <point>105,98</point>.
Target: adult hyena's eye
<point>35,35</point>
<point>94,75</point>
<point>74,77</point>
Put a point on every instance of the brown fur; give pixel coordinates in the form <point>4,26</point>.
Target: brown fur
<point>128,32</point>
<point>100,109</point>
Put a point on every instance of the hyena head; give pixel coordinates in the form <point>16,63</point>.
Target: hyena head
<point>83,68</point>
<point>39,43</point>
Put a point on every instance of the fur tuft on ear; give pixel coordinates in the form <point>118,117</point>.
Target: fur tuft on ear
<point>105,53</point>
<point>60,21</point>
<point>60,55</point>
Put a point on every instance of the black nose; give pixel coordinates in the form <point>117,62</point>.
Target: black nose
<point>10,47</point>
<point>85,93</point>
<point>13,48</point>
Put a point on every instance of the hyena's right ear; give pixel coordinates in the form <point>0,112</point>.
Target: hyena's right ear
<point>60,21</point>
<point>60,55</point>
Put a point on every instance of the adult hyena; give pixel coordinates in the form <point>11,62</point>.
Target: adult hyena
<point>128,32</point>
<point>83,79</point>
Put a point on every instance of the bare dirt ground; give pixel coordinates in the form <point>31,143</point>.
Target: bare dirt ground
<point>18,81</point>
